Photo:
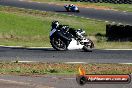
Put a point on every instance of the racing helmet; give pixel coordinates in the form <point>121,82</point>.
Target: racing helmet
<point>55,24</point>
<point>71,5</point>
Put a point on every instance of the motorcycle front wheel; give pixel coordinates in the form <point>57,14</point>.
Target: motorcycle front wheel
<point>58,44</point>
<point>77,11</point>
<point>88,47</point>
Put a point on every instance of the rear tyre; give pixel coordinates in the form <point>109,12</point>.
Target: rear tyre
<point>58,44</point>
<point>67,10</point>
<point>78,11</point>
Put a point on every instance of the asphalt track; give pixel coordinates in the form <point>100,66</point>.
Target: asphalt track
<point>51,81</point>
<point>107,15</point>
<point>50,55</point>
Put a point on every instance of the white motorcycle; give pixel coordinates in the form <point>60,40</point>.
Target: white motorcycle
<point>71,8</point>
<point>64,38</point>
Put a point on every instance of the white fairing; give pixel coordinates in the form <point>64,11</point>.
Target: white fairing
<point>52,32</point>
<point>75,8</point>
<point>85,40</point>
<point>73,45</point>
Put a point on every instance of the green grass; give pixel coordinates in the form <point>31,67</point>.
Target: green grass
<point>30,28</point>
<point>20,29</point>
<point>120,7</point>
<point>61,68</point>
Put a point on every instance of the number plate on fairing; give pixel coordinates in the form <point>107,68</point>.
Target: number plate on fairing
<point>52,32</point>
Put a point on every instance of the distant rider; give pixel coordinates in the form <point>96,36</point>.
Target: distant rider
<point>71,6</point>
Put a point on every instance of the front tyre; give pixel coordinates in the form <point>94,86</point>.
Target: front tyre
<point>58,44</point>
<point>77,11</point>
<point>88,47</point>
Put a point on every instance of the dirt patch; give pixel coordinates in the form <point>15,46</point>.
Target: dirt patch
<point>40,69</point>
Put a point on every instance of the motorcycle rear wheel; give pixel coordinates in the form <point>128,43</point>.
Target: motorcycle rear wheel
<point>58,44</point>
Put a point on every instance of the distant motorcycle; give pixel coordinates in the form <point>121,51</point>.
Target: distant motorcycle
<point>64,38</point>
<point>72,8</point>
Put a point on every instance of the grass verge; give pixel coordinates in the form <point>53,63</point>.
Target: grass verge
<point>107,6</point>
<point>37,68</point>
<point>30,28</point>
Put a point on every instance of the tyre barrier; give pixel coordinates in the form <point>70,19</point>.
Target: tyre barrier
<point>119,32</point>
<point>106,1</point>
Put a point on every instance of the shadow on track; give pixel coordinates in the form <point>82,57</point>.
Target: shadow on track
<point>66,12</point>
<point>6,48</point>
<point>24,48</point>
<point>61,11</point>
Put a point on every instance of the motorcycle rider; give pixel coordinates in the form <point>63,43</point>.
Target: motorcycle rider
<point>65,28</point>
<point>58,26</point>
<point>55,24</point>
<point>67,7</point>
<point>71,6</point>
<point>62,38</point>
